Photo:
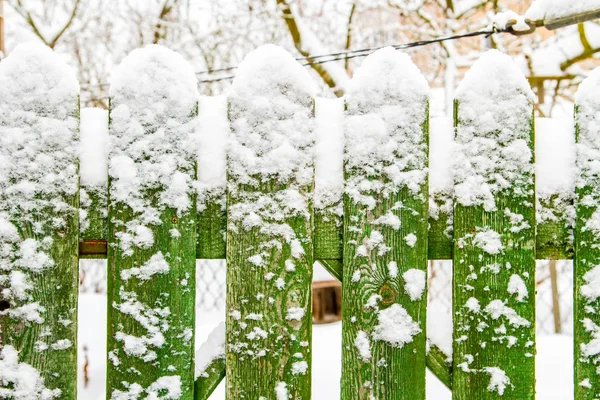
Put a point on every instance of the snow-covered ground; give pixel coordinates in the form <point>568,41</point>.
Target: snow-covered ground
<point>554,360</point>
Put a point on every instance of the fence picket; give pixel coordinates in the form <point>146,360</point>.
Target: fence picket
<point>385,230</point>
<point>39,197</point>
<point>586,289</point>
<point>152,227</point>
<point>269,236</point>
<point>494,235</point>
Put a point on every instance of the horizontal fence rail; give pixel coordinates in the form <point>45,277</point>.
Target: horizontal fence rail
<point>272,179</point>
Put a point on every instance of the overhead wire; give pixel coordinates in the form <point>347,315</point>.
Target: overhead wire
<point>338,56</point>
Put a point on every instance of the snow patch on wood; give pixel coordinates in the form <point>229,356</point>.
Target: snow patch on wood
<point>493,133</point>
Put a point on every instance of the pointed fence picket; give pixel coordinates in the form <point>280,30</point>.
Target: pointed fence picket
<point>374,228</point>
<point>151,227</point>
<point>385,230</point>
<point>587,242</point>
<point>494,237</point>
<point>269,234</point>
<point>39,225</point>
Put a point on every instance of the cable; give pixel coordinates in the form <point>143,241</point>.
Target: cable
<point>365,52</point>
<point>339,56</point>
<point>369,50</point>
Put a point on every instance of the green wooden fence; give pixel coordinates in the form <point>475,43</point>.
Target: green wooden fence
<point>267,214</point>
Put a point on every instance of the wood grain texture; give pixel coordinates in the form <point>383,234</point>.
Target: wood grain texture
<point>174,291</point>
<point>586,318</point>
<point>212,226</point>
<point>165,301</point>
<point>56,290</point>
<point>377,255</point>
<point>269,232</point>
<point>554,239</point>
<point>391,373</point>
<point>93,202</point>
<point>328,235</point>
<point>440,365</point>
<point>488,343</point>
<point>206,385</point>
<point>249,293</point>
<point>48,344</point>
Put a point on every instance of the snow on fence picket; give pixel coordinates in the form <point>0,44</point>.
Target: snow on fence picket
<point>385,223</point>
<point>290,179</point>
<point>494,239</point>
<point>39,225</point>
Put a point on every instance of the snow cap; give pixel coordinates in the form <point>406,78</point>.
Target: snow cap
<point>492,145</point>
<point>494,75</point>
<point>386,77</point>
<point>155,75</point>
<point>34,78</point>
<point>271,71</point>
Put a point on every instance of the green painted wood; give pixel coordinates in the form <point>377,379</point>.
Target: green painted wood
<point>437,362</point>
<point>334,267</point>
<point>440,227</point>
<point>212,226</point>
<point>328,235</point>
<point>494,325</point>
<point>554,236</point>
<point>39,230</point>
<point>93,203</point>
<point>440,365</point>
<point>269,236</point>
<point>206,385</point>
<point>383,337</point>
<point>151,261</point>
<point>586,300</point>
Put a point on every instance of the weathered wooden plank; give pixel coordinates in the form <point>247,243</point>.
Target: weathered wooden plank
<point>39,225</point>
<point>586,289</point>
<point>269,235</point>
<point>385,230</point>
<point>213,128</point>
<point>152,227</point>
<point>206,385</point>
<point>334,267</point>
<point>439,364</point>
<point>210,363</point>
<point>440,233</point>
<point>211,224</point>
<point>494,219</point>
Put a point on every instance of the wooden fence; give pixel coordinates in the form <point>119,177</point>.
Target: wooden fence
<point>347,183</point>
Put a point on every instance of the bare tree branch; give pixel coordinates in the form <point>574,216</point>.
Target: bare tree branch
<point>349,34</point>
<point>66,26</point>
<point>588,50</point>
<point>294,29</point>
<point>26,14</point>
